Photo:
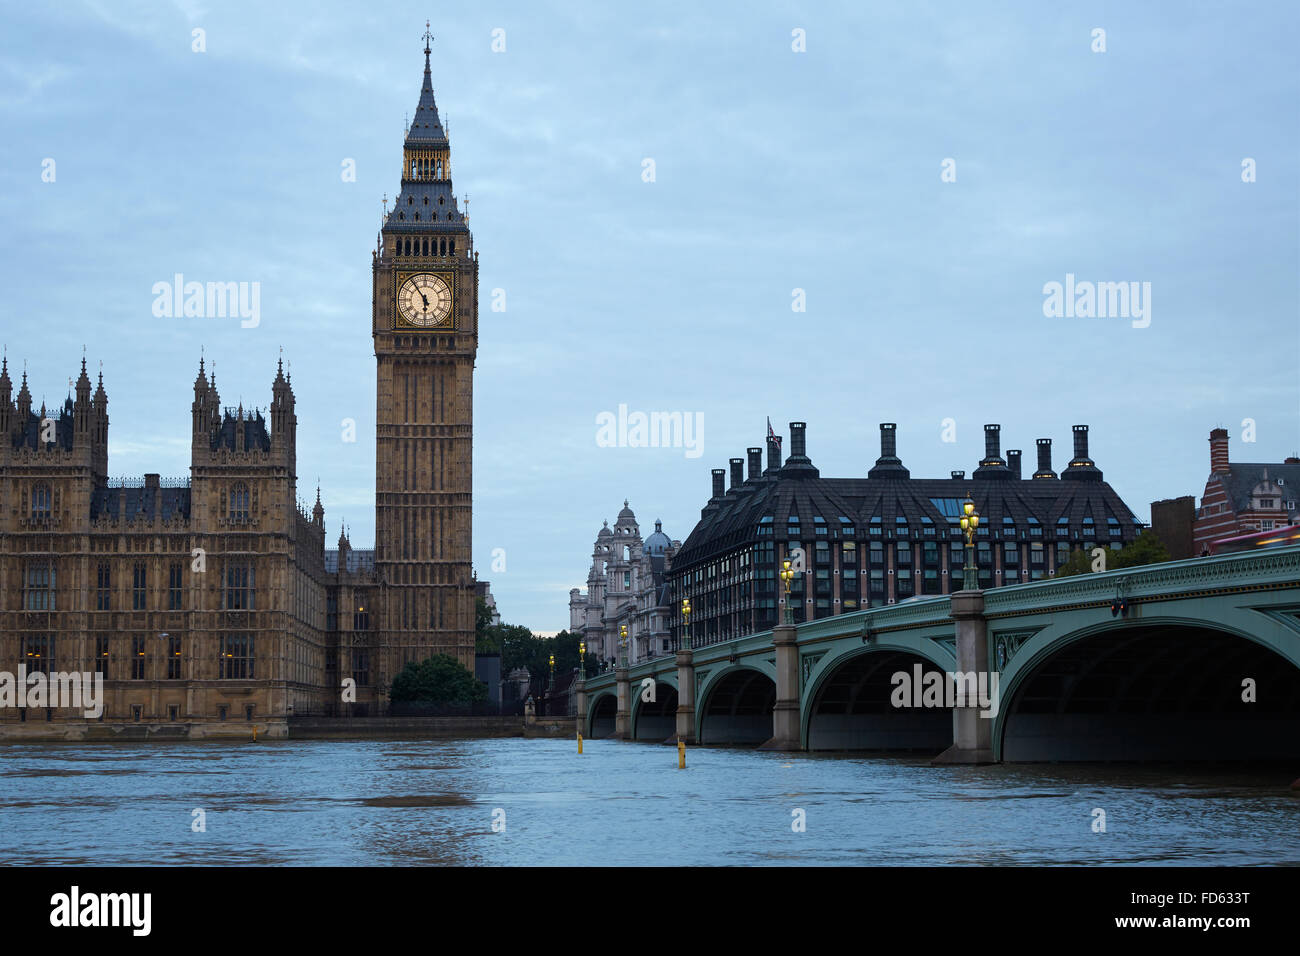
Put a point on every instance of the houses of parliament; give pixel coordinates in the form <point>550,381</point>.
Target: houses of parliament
<point>211,605</point>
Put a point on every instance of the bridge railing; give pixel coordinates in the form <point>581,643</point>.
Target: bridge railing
<point>1148,580</point>
<point>1144,581</point>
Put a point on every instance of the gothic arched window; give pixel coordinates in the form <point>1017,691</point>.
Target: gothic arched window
<point>239,502</point>
<point>40,501</point>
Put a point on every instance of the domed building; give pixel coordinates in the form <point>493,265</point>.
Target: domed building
<point>625,586</point>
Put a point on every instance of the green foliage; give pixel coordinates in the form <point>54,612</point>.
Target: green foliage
<point>520,647</point>
<point>1146,549</point>
<point>1080,562</point>
<point>439,679</point>
<point>486,640</point>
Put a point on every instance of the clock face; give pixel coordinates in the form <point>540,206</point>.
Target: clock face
<point>425,300</point>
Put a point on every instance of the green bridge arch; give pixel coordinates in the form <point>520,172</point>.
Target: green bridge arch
<point>1231,611</point>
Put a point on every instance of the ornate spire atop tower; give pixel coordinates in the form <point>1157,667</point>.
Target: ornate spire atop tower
<point>426,126</point>
<point>83,384</point>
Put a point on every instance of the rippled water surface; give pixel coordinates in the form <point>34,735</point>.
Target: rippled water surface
<point>415,802</point>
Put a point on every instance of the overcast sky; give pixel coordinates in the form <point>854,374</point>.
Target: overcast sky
<point>773,171</point>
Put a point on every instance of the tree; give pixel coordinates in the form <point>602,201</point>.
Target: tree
<point>520,648</point>
<point>1147,548</point>
<point>439,679</point>
<point>1080,562</point>
<point>486,640</point>
<point>565,650</point>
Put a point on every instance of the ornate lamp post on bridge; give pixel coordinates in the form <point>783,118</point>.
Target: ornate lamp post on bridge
<point>787,575</point>
<point>551,685</point>
<point>970,576</point>
<point>622,645</point>
<point>582,659</point>
<point>686,624</point>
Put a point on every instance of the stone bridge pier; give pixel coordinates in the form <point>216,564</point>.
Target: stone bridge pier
<point>972,726</point>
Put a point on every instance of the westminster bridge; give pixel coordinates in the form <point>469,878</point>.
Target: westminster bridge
<point>1184,660</point>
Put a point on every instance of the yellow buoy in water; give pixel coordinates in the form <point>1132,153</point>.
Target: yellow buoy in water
<point>579,743</point>
<point>681,754</point>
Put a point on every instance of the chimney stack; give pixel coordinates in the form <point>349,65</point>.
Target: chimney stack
<point>1013,461</point>
<point>888,440</point>
<point>799,465</point>
<point>1081,466</point>
<point>719,482</point>
<point>958,475</point>
<point>1219,451</point>
<point>773,456</point>
<point>798,447</point>
<point>755,463</point>
<point>1081,442</point>
<point>1044,459</point>
<point>888,464</point>
<point>992,465</point>
<point>993,443</point>
<point>737,472</point>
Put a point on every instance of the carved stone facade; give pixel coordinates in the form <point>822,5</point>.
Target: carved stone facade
<point>625,587</point>
<point>210,604</point>
<point>425,328</point>
<point>200,600</point>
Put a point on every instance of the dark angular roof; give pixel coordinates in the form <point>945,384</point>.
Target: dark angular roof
<point>29,435</point>
<point>362,560</point>
<point>1242,477</point>
<point>256,435</point>
<point>125,504</point>
<point>426,127</point>
<point>434,217</point>
<point>733,520</point>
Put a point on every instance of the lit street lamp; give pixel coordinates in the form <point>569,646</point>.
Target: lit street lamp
<point>582,659</point>
<point>686,624</point>
<point>970,578</point>
<point>622,645</point>
<point>787,575</point>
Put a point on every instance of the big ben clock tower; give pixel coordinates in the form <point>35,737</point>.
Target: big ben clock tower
<point>426,335</point>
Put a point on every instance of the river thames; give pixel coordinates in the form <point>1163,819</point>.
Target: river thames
<point>414,802</point>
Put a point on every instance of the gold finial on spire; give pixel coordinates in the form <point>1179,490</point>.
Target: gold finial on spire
<point>428,39</point>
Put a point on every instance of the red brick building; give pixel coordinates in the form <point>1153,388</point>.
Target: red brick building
<point>1241,498</point>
